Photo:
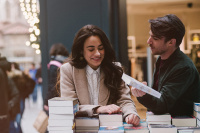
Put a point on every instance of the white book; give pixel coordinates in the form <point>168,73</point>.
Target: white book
<point>69,123</point>
<point>65,131</point>
<point>159,122</point>
<point>150,116</point>
<point>62,101</point>
<point>162,128</point>
<point>111,123</point>
<point>61,116</point>
<point>196,106</point>
<point>86,122</point>
<point>110,117</point>
<point>63,109</point>
<point>60,128</point>
<point>140,86</point>
<point>182,121</point>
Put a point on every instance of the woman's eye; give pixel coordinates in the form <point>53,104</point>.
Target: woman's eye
<point>101,48</point>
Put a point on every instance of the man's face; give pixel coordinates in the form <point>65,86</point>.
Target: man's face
<point>158,45</point>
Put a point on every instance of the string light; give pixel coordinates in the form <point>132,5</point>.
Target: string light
<point>30,11</point>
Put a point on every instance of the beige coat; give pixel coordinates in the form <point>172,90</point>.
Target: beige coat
<point>73,83</point>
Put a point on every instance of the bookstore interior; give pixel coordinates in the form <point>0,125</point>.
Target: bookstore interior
<point>138,14</point>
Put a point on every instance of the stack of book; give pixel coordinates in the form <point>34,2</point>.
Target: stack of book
<point>188,129</point>
<point>197,113</point>
<point>151,118</point>
<point>141,128</point>
<point>111,123</point>
<point>61,114</point>
<point>87,124</point>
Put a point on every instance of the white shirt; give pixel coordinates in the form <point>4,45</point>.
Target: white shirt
<point>93,78</point>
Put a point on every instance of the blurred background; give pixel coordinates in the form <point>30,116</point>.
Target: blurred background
<point>28,28</point>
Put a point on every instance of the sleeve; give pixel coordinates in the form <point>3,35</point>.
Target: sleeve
<point>174,87</point>
<point>126,103</point>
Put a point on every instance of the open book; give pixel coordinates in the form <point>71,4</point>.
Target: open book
<point>140,86</point>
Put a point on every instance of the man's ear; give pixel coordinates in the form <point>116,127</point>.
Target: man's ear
<point>172,42</point>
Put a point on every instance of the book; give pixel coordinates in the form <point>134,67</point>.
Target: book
<point>160,122</point>
<point>61,116</point>
<point>198,123</point>
<point>87,123</point>
<point>62,101</point>
<point>188,121</point>
<point>69,123</point>
<point>141,128</point>
<point>65,131</point>
<point>150,116</point>
<point>111,119</point>
<point>196,106</point>
<point>60,128</point>
<point>188,129</point>
<point>87,130</point>
<point>111,129</point>
<point>162,128</point>
<point>140,86</point>
<point>63,109</point>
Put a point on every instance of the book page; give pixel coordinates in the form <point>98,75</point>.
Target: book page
<point>140,86</point>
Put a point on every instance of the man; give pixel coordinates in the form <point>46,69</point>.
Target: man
<point>175,75</point>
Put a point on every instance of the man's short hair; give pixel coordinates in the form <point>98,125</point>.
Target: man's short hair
<point>169,26</point>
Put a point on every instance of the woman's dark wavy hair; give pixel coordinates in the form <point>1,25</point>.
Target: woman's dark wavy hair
<point>112,72</point>
<point>169,26</point>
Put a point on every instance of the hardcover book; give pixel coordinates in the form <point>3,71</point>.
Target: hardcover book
<point>188,121</point>
<point>111,119</point>
<point>69,123</point>
<point>150,116</point>
<point>197,106</point>
<point>62,101</point>
<point>61,116</point>
<point>87,123</point>
<point>162,128</point>
<point>63,109</point>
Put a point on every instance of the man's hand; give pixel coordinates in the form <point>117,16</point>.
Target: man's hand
<point>138,93</point>
<point>132,119</point>
<point>110,109</point>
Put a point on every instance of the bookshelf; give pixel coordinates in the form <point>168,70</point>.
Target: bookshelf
<point>193,38</point>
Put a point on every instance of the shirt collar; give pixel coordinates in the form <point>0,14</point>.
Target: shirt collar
<point>90,70</point>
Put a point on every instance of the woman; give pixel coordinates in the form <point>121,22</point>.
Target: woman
<point>92,76</point>
<point>58,53</point>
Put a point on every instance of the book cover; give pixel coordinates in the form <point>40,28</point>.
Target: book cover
<point>63,109</point>
<point>141,128</point>
<point>150,116</point>
<point>188,121</point>
<point>162,128</point>
<point>62,101</point>
<point>111,129</point>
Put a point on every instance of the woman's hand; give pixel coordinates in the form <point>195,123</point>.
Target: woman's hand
<point>132,119</point>
<point>110,109</point>
<point>138,93</point>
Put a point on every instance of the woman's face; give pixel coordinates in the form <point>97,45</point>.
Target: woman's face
<point>93,51</point>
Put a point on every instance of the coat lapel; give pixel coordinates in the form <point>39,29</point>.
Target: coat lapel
<point>81,86</point>
<point>103,91</point>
